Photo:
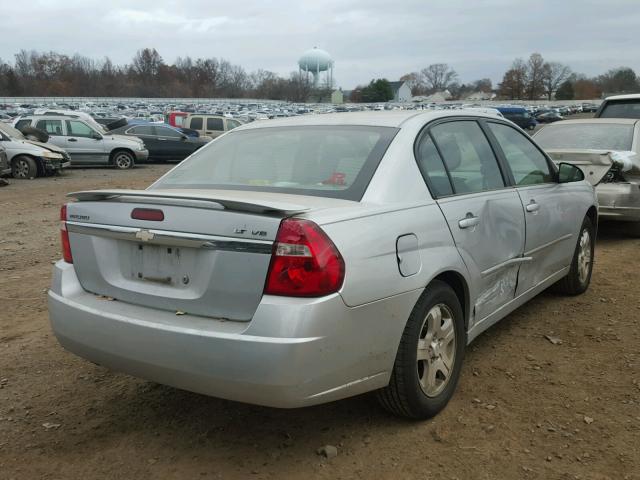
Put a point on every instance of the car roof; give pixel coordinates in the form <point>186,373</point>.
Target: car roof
<point>393,118</point>
<point>631,96</point>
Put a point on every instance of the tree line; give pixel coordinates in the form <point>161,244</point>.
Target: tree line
<point>533,79</point>
<point>148,75</point>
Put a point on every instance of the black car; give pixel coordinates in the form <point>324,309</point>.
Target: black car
<point>164,142</point>
<point>549,117</point>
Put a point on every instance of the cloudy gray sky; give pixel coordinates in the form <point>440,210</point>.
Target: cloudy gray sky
<point>367,38</point>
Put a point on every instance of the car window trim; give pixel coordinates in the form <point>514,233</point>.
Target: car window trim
<point>506,179</point>
<point>503,159</point>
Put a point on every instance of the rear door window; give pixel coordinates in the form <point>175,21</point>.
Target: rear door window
<point>144,130</point>
<point>468,156</point>
<point>215,124</point>
<point>52,127</point>
<point>168,132</point>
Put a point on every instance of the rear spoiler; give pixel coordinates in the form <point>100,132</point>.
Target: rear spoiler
<point>164,197</point>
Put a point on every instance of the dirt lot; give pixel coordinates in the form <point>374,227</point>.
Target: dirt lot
<point>525,408</point>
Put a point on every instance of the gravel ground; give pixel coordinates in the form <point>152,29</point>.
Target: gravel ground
<point>525,408</point>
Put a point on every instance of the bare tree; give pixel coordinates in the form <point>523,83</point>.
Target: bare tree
<point>553,74</point>
<point>414,82</point>
<point>438,76</point>
<point>535,76</point>
<point>146,63</point>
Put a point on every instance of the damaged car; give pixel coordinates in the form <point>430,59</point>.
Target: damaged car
<point>30,158</point>
<point>304,260</point>
<point>607,150</point>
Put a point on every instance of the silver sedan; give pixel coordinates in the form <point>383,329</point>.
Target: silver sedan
<point>299,261</point>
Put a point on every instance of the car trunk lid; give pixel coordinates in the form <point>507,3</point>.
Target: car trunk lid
<point>209,254</point>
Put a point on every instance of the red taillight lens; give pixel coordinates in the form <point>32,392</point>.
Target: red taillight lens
<point>64,236</point>
<point>149,214</point>
<point>304,263</point>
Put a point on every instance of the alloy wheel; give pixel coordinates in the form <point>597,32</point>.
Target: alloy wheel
<point>584,256</point>
<point>436,350</point>
<point>123,161</point>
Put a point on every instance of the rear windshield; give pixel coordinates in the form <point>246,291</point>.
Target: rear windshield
<point>326,161</point>
<point>596,136</point>
<point>621,109</point>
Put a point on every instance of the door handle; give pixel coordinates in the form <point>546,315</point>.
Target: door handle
<point>533,206</point>
<point>469,221</point>
<point>72,139</point>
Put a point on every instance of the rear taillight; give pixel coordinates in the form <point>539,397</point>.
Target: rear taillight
<point>305,262</point>
<point>64,236</point>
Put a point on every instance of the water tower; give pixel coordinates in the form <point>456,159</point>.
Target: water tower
<point>317,62</point>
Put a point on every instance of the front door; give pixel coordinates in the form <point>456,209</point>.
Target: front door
<point>484,215</point>
<point>84,144</point>
<point>549,216</point>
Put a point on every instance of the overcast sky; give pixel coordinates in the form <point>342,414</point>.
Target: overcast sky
<point>366,38</point>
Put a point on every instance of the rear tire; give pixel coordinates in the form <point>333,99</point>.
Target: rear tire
<point>122,160</point>
<point>429,358</point>
<point>579,277</point>
<point>23,167</point>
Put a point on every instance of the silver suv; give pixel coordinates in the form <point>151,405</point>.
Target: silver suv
<point>86,141</point>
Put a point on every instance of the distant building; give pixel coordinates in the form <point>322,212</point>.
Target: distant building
<point>437,97</point>
<point>401,91</point>
<point>475,96</point>
<point>337,97</point>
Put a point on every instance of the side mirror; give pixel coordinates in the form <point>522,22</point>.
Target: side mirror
<point>568,173</point>
<point>96,136</point>
<point>183,137</point>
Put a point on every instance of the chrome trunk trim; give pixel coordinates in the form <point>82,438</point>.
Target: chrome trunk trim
<point>170,238</point>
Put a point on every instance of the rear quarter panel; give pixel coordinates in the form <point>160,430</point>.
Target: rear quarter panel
<point>368,245</point>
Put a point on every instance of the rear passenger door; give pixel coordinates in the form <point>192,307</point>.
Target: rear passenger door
<point>172,143</point>
<point>196,122</point>
<point>54,129</point>
<point>484,215</point>
<point>550,216</point>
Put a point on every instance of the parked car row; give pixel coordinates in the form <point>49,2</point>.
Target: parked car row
<point>49,140</point>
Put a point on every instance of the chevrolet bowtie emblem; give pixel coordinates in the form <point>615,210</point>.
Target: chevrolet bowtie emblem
<point>144,235</point>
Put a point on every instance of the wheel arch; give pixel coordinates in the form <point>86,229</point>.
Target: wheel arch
<point>35,158</point>
<point>592,213</point>
<point>459,285</point>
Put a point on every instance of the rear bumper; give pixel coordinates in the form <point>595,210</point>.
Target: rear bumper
<point>293,353</point>
<point>619,201</point>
